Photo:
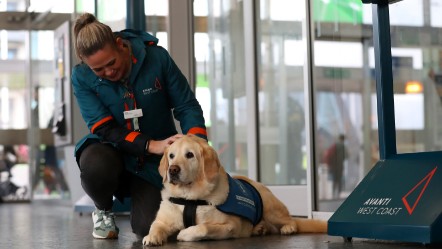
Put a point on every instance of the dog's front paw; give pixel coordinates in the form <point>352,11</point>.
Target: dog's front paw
<point>154,240</point>
<point>289,229</point>
<point>192,233</point>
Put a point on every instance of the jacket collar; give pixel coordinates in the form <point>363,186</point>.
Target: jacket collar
<point>138,41</point>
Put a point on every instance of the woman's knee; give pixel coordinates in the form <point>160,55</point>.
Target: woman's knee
<point>100,159</point>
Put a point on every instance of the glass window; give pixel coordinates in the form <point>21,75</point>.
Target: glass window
<point>343,87</point>
<point>406,13</point>
<point>220,86</point>
<point>113,14</point>
<point>17,5</point>
<point>417,81</point>
<point>345,90</point>
<point>85,6</point>
<point>27,100</point>
<point>435,9</point>
<point>156,7</point>
<point>42,96</point>
<point>200,8</point>
<point>156,12</point>
<point>14,110</point>
<point>281,92</point>
<point>55,6</point>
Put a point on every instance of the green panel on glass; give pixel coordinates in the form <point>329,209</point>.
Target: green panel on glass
<point>400,199</point>
<point>337,73</point>
<point>349,11</point>
<point>202,80</point>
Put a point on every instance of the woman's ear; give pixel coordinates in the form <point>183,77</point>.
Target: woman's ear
<point>119,42</point>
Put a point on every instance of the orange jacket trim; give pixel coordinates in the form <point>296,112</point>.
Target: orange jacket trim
<point>128,121</point>
<point>100,122</point>
<point>131,136</point>
<point>197,130</point>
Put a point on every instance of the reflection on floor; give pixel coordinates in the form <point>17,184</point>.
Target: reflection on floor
<point>54,224</point>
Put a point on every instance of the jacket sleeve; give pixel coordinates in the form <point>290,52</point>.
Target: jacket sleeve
<point>100,120</point>
<point>186,107</point>
<point>132,142</point>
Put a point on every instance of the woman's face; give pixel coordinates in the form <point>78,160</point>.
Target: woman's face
<point>110,63</point>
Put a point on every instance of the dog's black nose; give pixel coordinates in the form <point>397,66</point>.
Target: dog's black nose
<point>174,170</point>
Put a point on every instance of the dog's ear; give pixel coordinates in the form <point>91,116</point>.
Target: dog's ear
<point>211,161</point>
<point>164,165</point>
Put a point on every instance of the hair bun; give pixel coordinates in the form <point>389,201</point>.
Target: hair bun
<point>82,21</point>
<point>88,18</point>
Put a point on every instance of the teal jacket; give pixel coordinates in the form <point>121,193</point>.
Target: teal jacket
<point>157,86</point>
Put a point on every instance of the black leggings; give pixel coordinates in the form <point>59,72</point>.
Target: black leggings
<point>103,176</point>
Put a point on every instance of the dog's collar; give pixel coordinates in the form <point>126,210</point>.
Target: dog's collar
<point>189,213</point>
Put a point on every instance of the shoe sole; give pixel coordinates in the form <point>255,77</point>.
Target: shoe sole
<point>110,235</point>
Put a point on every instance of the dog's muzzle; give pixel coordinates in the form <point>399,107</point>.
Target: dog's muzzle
<point>174,174</point>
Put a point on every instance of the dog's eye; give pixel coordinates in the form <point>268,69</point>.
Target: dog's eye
<point>189,155</point>
<point>171,156</point>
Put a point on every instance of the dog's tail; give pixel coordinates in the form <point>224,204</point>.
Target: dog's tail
<point>311,225</point>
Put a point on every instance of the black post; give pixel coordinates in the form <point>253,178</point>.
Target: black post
<point>384,80</point>
<point>135,16</point>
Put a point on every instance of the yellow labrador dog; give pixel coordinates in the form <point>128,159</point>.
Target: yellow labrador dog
<point>201,201</point>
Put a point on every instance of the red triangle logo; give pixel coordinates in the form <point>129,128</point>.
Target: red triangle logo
<point>158,84</point>
<point>426,180</point>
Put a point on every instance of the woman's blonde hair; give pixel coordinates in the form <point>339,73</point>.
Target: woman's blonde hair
<point>90,35</point>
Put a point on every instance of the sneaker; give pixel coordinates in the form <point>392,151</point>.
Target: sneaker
<point>104,225</point>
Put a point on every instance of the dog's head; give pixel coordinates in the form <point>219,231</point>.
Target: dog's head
<point>189,163</point>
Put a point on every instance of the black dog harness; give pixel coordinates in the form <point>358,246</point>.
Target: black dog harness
<point>243,200</point>
<point>189,214</point>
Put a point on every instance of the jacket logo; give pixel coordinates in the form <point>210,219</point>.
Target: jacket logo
<point>158,84</point>
<point>149,91</point>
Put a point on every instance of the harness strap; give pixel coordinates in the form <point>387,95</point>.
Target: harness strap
<point>189,214</point>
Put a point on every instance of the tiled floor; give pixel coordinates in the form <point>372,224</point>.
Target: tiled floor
<point>52,224</point>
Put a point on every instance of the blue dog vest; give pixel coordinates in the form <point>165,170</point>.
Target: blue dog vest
<point>243,200</point>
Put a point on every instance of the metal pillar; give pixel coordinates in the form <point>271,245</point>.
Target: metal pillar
<point>135,17</point>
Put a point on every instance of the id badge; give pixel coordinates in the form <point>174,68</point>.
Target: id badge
<point>133,114</point>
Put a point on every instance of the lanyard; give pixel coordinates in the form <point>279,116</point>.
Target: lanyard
<point>132,114</point>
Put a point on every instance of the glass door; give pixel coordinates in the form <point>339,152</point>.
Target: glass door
<point>34,168</point>
<point>14,151</point>
<point>251,62</point>
<point>221,86</point>
<point>282,62</point>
